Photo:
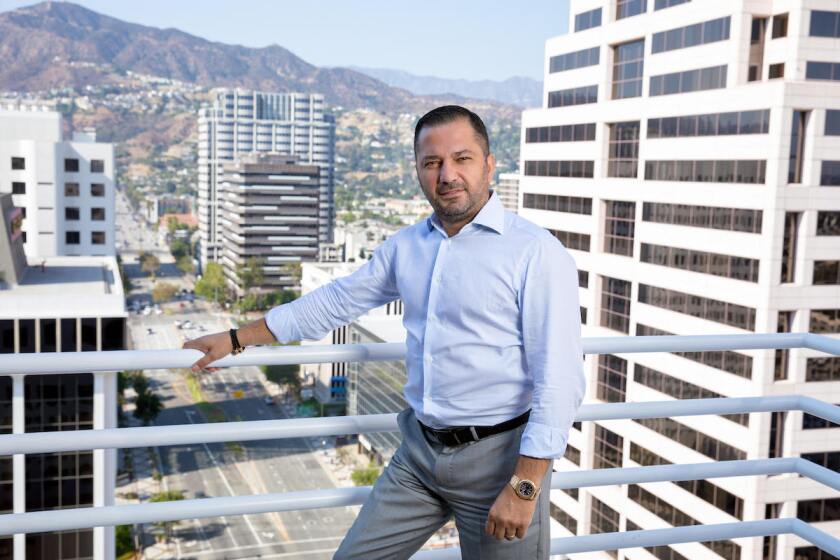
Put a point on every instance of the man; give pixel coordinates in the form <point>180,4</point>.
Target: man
<point>493,332</point>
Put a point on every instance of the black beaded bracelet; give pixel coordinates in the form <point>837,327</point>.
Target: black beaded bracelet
<point>234,342</point>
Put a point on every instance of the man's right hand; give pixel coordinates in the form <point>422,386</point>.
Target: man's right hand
<point>215,347</point>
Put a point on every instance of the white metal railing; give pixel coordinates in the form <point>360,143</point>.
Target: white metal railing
<point>273,429</point>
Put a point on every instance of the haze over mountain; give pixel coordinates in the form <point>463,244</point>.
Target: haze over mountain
<point>519,91</point>
<point>59,44</point>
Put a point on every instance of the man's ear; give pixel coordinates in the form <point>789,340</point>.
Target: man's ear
<point>491,167</point>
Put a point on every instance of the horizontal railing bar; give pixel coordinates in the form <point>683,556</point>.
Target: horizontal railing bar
<point>185,434</point>
<point>79,518</point>
<point>818,538</point>
<point>118,360</point>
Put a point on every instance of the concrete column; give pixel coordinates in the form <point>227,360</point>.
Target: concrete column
<point>104,460</point>
<point>18,463</point>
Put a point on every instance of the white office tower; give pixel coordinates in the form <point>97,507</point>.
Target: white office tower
<point>688,155</point>
<point>241,122</point>
<point>65,188</point>
<point>508,190</point>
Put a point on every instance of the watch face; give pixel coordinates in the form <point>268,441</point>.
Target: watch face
<point>526,489</point>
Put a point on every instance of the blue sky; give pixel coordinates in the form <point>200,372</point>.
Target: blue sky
<point>472,39</point>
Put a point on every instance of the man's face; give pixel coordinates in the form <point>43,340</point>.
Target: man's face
<point>453,171</point>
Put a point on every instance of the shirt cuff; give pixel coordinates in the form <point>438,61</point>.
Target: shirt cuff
<point>281,322</point>
<point>542,441</point>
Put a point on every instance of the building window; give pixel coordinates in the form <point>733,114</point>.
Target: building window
<point>828,459</point>
<point>89,341</point>
<point>624,150</point>
<point>679,389</point>
<point>825,24</point>
<point>18,187</point>
<point>832,122</point>
<point>572,453</point>
<point>612,378</point>
<point>607,450</point>
<point>811,553</point>
<point>628,66</point>
<point>571,239</point>
<point>822,369</point>
<point>574,60</point>
<point>780,25</point>
<point>691,35</point>
<point>826,272</point>
<point>797,146</point>
<point>554,203</point>
<point>573,96</point>
<point>564,133</point>
<point>582,315</point>
<point>830,174</point>
<point>728,219</point>
<point>97,214</point>
<point>68,335</point>
<point>628,8</point>
<point>577,169</point>
<point>716,264</point>
<point>18,163</point>
<point>72,237</point>
<point>588,20</point>
<point>713,124</point>
<point>97,189</point>
<point>784,324</point>
<point>811,422</point>
<point>97,237</point>
<point>776,71</point>
<point>723,312</point>
<point>700,79</point>
<point>748,171</point>
<point>789,243</point>
<point>71,165</point>
<point>49,342</point>
<point>619,227</point>
<point>563,518</point>
<point>777,434</point>
<point>615,304</point>
<point>662,4</point>
<point>583,279</point>
<point>97,166</point>
<point>26,336</point>
<point>692,439</point>
<point>822,71</point>
<point>71,189</point>
<point>825,321</point>
<point>71,213</point>
<point>726,360</point>
<point>816,511</point>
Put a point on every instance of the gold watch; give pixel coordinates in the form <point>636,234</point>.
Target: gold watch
<point>524,488</point>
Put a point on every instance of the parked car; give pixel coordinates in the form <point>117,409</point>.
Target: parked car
<point>268,399</point>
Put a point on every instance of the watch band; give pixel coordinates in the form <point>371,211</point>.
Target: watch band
<point>515,482</point>
<point>234,342</point>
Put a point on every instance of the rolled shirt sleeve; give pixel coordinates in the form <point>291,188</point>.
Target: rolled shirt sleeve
<point>314,315</point>
<point>553,354</point>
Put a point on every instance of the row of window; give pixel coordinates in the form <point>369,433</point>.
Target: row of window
<point>579,169</point>
<point>592,18</point>
<point>731,314</point>
<point>71,165</point>
<point>822,71</point>
<point>70,189</point>
<point>822,369</point>
<point>680,389</point>
<point>574,60</point>
<point>827,459</point>
<point>825,24</point>
<point>815,511</point>
<point>811,422</point>
<point>701,79</point>
<point>72,213</point>
<point>826,273</point>
<point>727,219</point>
<point>588,20</point>
<point>703,489</point>
<point>571,239</point>
<point>825,321</point>
<point>74,237</point>
<point>689,36</point>
<point>716,264</point>
<point>664,510</point>
<point>563,518</point>
<point>748,171</point>
<point>563,133</point>
<point>691,438</point>
<point>712,124</point>
<point>724,360</point>
<point>555,203</point>
<point>76,336</point>
<point>573,96</point>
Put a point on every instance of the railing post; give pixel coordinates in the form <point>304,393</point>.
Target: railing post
<point>18,463</point>
<point>104,460</point>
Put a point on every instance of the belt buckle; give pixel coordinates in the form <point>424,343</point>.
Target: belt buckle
<point>473,433</point>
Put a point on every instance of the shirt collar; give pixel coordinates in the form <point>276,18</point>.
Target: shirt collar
<point>492,215</point>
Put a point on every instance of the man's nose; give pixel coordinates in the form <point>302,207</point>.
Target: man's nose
<point>447,173</point>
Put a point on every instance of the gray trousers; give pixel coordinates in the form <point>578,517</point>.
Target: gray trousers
<point>426,483</point>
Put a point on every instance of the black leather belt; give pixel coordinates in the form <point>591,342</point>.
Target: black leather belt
<point>465,434</point>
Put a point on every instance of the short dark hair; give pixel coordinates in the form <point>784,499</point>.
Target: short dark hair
<point>449,113</point>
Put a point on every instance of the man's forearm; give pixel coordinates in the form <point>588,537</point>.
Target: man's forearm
<point>532,468</point>
<point>256,332</point>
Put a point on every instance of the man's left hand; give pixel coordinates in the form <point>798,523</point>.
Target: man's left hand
<point>510,515</point>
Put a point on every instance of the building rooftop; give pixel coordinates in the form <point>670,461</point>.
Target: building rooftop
<point>65,287</point>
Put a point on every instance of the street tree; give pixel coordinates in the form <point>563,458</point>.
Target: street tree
<point>251,274</point>
<point>147,406</point>
<point>149,264</point>
<point>164,292</point>
<point>212,283</point>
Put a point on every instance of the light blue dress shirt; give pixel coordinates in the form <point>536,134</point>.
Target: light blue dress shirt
<point>492,320</point>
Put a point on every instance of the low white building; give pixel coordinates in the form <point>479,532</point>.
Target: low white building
<point>64,187</point>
